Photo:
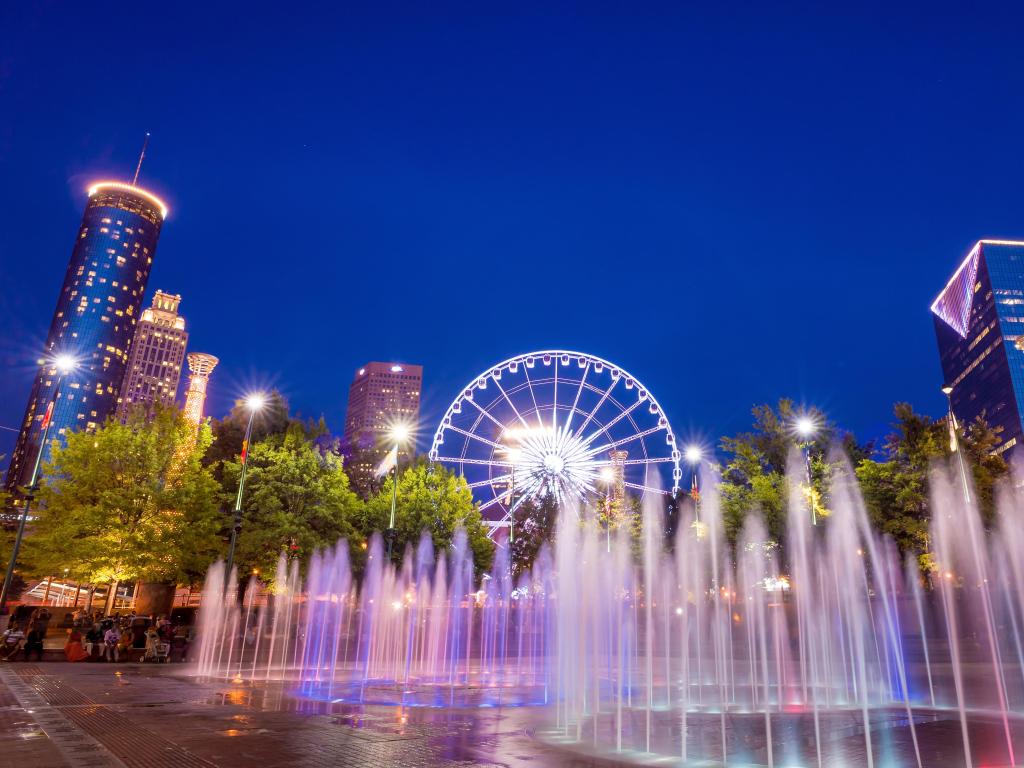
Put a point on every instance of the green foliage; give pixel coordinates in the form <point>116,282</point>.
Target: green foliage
<point>753,476</point>
<point>128,501</point>
<point>434,499</point>
<point>535,526</point>
<point>297,499</point>
<point>895,489</point>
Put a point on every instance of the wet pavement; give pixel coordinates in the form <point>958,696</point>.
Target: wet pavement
<point>100,715</point>
<point>150,716</point>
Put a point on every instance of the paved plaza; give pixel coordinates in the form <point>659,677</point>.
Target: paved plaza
<point>149,716</point>
<point>55,714</point>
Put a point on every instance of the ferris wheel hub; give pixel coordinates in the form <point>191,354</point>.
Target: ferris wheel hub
<point>554,464</point>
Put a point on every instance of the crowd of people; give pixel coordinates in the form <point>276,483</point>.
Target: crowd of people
<point>94,637</point>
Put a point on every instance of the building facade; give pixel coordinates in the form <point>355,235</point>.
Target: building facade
<point>979,325</point>
<point>201,366</point>
<point>381,395</point>
<point>156,357</point>
<point>95,317</point>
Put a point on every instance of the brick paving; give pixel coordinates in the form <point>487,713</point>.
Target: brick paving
<point>147,716</point>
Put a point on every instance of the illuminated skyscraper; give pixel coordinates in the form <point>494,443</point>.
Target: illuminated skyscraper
<point>979,325</point>
<point>157,354</point>
<point>201,365</point>
<point>381,395</point>
<point>95,317</point>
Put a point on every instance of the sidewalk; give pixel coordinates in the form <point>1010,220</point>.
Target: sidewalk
<point>150,716</point>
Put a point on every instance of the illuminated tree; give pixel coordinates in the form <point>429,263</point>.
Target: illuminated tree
<point>127,502</point>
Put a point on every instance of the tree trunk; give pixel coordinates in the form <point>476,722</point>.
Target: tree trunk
<point>108,607</point>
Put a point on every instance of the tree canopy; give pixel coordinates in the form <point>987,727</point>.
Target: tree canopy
<point>430,498</point>
<point>753,474</point>
<point>895,487</point>
<point>297,499</point>
<point>128,501</point>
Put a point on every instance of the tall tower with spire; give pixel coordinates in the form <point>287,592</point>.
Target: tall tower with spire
<point>95,318</point>
<point>200,365</point>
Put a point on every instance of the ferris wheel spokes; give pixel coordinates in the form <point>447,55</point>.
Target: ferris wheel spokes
<point>546,430</point>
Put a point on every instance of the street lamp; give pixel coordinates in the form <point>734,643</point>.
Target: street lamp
<point>513,455</point>
<point>64,364</point>
<point>954,442</point>
<point>399,435</point>
<point>254,403</point>
<point>693,455</point>
<point>806,428</point>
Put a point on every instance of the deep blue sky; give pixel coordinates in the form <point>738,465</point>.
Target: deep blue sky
<point>734,204</point>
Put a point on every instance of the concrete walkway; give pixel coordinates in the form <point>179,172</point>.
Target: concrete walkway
<point>151,716</point>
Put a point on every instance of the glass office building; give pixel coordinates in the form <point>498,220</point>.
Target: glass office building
<point>95,317</point>
<point>380,396</point>
<point>979,325</point>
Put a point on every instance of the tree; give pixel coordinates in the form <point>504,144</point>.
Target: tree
<point>297,500</point>
<point>895,489</point>
<point>753,478</point>
<point>430,498</point>
<point>128,501</point>
<point>535,526</point>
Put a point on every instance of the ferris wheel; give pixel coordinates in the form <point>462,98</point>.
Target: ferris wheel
<point>556,422</point>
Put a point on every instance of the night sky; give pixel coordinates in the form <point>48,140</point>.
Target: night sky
<point>733,204</point>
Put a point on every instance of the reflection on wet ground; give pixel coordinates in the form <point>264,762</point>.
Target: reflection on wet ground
<point>203,722</point>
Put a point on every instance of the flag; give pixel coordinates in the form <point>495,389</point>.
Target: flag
<point>245,450</point>
<point>694,491</point>
<point>389,463</point>
<point>952,432</point>
<point>48,416</point>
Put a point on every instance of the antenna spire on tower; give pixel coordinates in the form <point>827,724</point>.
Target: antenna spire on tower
<point>142,156</point>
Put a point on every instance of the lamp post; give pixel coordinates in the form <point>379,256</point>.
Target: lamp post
<point>607,478</point>
<point>513,456</point>
<point>806,428</point>
<point>254,403</point>
<point>954,443</point>
<point>693,456</point>
<point>513,453</point>
<point>64,365</point>
<point>399,434</point>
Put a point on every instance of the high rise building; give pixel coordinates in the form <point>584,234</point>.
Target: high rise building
<point>979,325</point>
<point>156,357</point>
<point>381,396</point>
<point>201,365</point>
<point>95,317</point>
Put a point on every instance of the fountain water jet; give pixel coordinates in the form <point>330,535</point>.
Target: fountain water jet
<point>828,646</point>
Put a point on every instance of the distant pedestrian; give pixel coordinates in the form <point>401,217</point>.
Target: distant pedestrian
<point>34,642</point>
<point>111,641</point>
<point>42,620</point>
<point>12,640</point>
<point>73,649</point>
<point>93,639</point>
